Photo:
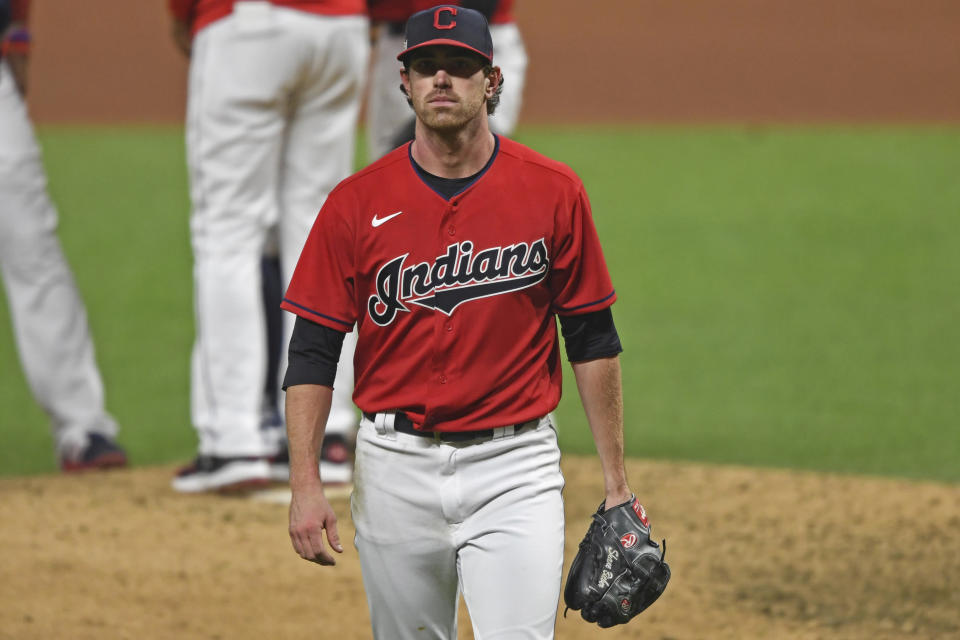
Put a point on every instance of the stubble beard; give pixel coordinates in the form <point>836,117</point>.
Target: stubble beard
<point>450,118</point>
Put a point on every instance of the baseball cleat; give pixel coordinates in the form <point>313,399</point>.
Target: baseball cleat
<point>227,474</point>
<point>100,453</point>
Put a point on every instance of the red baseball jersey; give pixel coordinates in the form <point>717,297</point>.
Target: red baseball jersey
<point>396,10</point>
<point>454,300</point>
<point>400,10</point>
<point>200,13</point>
<point>503,13</point>
<point>19,10</point>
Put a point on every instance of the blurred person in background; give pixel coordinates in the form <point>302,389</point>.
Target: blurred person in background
<point>273,100</point>
<point>389,121</point>
<point>48,316</point>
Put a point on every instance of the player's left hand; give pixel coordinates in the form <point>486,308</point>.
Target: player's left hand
<point>618,571</point>
<point>310,515</point>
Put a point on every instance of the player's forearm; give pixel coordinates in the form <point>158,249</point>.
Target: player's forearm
<point>307,408</point>
<point>601,393</point>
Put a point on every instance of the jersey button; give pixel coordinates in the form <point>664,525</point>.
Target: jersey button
<point>443,379</point>
<point>449,326</point>
<point>452,230</point>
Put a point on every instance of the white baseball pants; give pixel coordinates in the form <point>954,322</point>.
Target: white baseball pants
<point>49,319</point>
<point>511,56</point>
<point>274,95</point>
<point>435,519</point>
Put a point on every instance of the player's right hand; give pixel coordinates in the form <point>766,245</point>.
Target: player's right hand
<point>310,515</point>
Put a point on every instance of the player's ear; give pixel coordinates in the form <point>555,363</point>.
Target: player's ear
<point>493,81</point>
<point>405,81</point>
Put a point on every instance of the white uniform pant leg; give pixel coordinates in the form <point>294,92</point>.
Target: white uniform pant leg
<point>387,109</point>
<point>405,542</point>
<point>49,319</point>
<point>318,154</point>
<point>511,56</point>
<point>511,544</point>
<point>235,126</point>
<point>497,504</point>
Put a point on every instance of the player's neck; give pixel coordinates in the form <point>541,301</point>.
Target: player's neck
<point>453,154</point>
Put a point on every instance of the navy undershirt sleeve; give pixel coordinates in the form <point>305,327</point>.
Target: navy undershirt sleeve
<point>590,336</point>
<point>486,7</point>
<point>313,354</point>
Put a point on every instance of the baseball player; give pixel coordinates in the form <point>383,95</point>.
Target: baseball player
<point>49,319</point>
<point>273,99</point>
<point>452,255</point>
<point>388,118</point>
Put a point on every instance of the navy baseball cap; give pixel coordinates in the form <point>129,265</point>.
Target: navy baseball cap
<point>448,25</point>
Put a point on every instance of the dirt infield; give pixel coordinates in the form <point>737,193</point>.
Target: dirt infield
<point>755,554</point>
<point>111,61</point>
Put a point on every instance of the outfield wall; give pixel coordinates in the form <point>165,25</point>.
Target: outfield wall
<point>621,60</point>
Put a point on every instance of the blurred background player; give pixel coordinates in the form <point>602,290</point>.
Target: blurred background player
<point>389,120</point>
<point>273,99</point>
<point>49,319</point>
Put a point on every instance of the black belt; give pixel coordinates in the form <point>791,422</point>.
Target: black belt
<point>402,424</point>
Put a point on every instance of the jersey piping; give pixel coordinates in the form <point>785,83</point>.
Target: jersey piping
<point>348,325</point>
<point>589,304</point>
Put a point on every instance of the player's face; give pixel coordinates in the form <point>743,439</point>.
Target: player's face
<point>447,87</point>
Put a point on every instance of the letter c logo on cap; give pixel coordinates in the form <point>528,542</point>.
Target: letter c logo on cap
<point>436,18</point>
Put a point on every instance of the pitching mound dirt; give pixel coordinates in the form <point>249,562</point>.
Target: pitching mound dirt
<point>754,553</point>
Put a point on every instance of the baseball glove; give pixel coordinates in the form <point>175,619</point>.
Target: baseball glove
<point>618,571</point>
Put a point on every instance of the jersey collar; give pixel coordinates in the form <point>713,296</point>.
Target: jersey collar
<point>428,178</point>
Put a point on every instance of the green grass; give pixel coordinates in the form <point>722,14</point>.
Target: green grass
<point>787,297</point>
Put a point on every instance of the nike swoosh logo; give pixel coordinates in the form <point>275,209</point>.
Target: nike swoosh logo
<point>379,221</point>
